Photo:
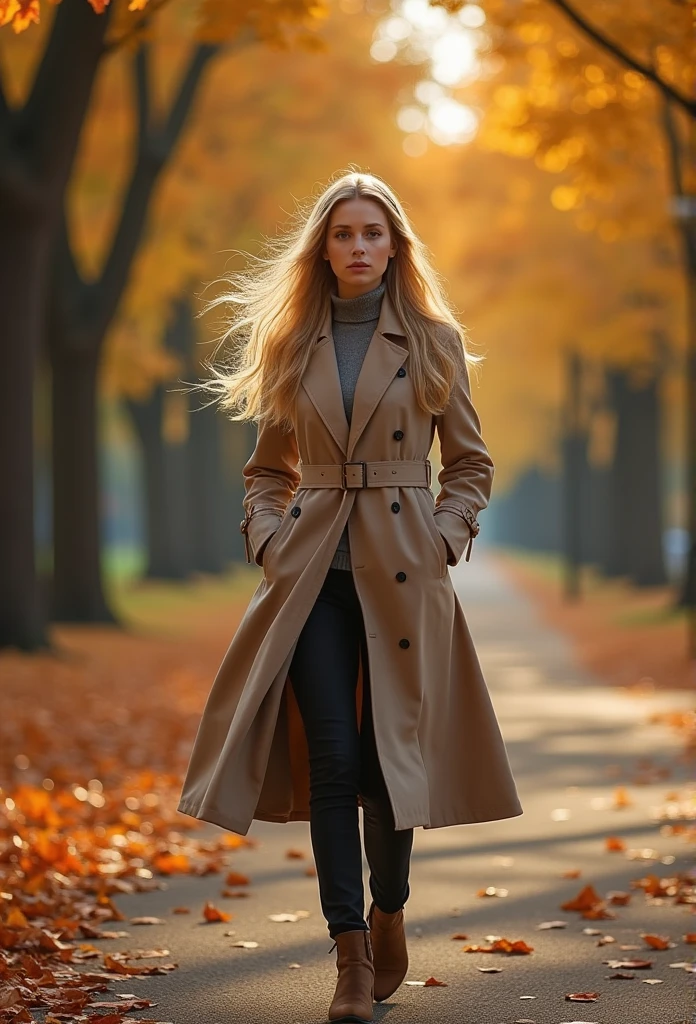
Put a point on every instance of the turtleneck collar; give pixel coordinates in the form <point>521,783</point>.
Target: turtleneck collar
<point>360,308</point>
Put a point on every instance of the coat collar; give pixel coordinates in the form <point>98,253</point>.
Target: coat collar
<point>322,382</point>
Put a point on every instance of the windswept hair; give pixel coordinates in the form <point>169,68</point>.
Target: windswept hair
<point>274,311</point>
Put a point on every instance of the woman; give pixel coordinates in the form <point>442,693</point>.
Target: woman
<point>352,678</point>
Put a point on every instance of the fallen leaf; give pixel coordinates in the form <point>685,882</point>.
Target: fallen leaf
<point>652,981</point>
<point>297,916</point>
<point>295,854</point>
<point>587,897</point>
<point>245,944</point>
<point>621,975</point>
<point>630,965</point>
<point>460,935</point>
<point>181,910</point>
<point>582,997</point>
<point>552,924</point>
<point>234,878</point>
<point>492,891</point>
<point>519,946</point>
<point>490,970</point>
<point>614,844</point>
<point>657,941</point>
<point>621,798</point>
<point>598,913</point>
<point>433,981</point>
<point>572,873</point>
<point>146,920</point>
<point>619,899</point>
<point>212,914</point>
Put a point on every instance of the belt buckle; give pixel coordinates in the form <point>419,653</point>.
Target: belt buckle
<point>363,481</point>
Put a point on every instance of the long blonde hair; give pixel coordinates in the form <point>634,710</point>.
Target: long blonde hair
<point>275,311</point>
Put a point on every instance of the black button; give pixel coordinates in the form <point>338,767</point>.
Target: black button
<point>401,576</point>
<point>404,643</point>
<point>398,434</point>
<point>401,372</point>
<point>295,512</point>
<point>395,506</point>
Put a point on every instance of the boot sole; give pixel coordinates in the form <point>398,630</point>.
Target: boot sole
<point>351,1018</point>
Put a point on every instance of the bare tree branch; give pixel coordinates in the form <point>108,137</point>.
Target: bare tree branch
<point>594,33</point>
<point>154,150</point>
<point>140,25</point>
<point>55,109</point>
<point>141,68</point>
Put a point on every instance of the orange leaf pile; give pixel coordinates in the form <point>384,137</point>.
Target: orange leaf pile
<point>589,904</point>
<point>518,946</point>
<point>93,747</point>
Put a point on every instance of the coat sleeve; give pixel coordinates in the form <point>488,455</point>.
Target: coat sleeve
<point>466,477</point>
<point>271,477</point>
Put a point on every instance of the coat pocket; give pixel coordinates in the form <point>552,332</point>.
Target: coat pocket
<point>438,541</point>
<point>270,545</point>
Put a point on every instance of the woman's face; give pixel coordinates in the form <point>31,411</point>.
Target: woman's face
<point>358,245</point>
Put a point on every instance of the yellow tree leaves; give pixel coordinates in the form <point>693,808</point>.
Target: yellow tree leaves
<point>218,19</point>
<point>20,14</point>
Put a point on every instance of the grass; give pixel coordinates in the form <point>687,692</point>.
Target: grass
<point>175,607</point>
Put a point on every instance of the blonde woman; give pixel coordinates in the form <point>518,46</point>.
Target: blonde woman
<point>352,679</point>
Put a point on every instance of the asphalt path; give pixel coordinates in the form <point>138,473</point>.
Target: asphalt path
<point>571,741</point>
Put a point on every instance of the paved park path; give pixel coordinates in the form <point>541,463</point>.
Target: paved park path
<point>564,731</point>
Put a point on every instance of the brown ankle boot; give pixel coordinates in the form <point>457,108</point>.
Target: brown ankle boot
<point>389,950</point>
<point>354,994</point>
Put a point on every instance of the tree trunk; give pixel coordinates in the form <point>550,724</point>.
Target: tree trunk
<point>647,561</point>
<point>24,259</point>
<point>38,143</point>
<point>634,517</point>
<point>574,453</point>
<point>166,491</point>
<point>86,310</point>
<point>687,597</point>
<point>596,534</point>
<point>207,490</point>
<point>77,588</point>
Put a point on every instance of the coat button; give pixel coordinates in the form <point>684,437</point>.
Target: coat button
<point>395,507</point>
<point>401,576</point>
<point>398,434</point>
<point>401,372</point>
<point>404,643</point>
<point>295,512</point>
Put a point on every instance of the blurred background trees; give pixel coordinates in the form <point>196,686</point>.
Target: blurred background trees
<point>545,162</point>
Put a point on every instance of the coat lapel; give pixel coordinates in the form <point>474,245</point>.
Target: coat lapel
<point>322,383</point>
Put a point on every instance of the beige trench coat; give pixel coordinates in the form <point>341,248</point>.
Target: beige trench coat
<point>437,736</point>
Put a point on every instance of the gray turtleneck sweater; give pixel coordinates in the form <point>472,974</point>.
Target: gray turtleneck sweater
<point>354,321</point>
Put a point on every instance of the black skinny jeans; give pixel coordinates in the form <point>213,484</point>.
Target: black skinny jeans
<point>344,763</point>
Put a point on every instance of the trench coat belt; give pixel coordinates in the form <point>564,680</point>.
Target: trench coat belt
<point>348,475</point>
